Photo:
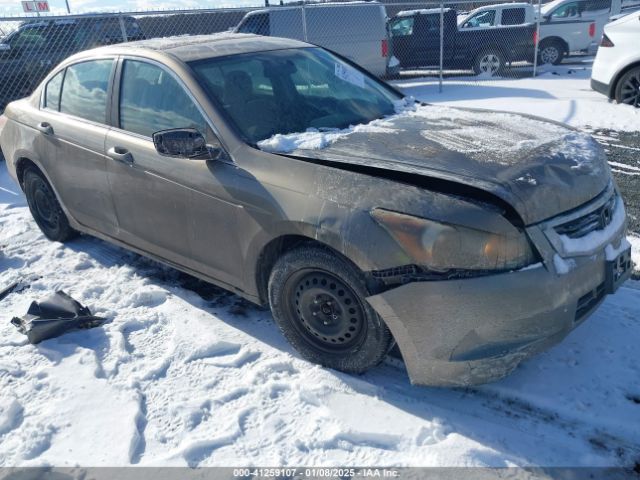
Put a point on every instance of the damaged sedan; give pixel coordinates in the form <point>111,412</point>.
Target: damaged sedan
<point>363,219</point>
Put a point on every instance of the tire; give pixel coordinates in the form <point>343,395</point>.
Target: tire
<point>551,52</point>
<point>489,62</point>
<point>45,208</point>
<point>628,88</point>
<point>318,301</point>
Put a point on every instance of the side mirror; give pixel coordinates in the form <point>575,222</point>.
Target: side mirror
<point>186,143</point>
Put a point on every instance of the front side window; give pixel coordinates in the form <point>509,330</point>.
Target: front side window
<point>29,38</point>
<point>292,90</point>
<point>258,24</point>
<point>84,91</point>
<point>52,92</point>
<point>482,19</point>
<point>402,27</point>
<point>569,10</point>
<point>152,100</point>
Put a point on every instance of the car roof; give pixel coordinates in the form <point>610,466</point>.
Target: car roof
<point>190,48</point>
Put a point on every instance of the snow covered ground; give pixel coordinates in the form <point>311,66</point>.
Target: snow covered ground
<point>184,373</point>
<point>561,93</point>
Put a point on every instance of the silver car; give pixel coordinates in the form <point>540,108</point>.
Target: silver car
<point>270,167</point>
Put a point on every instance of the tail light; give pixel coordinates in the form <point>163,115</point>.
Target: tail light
<point>606,41</point>
<point>535,37</point>
<point>385,48</point>
<point>592,30</point>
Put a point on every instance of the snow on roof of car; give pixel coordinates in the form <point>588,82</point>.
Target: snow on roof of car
<point>196,47</point>
<point>422,11</point>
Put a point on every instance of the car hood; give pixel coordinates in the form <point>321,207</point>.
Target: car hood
<point>540,168</point>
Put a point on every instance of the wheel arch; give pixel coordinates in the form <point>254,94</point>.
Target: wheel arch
<point>556,39</point>
<point>277,247</point>
<point>22,163</point>
<point>614,84</point>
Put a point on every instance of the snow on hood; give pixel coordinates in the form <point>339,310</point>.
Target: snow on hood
<point>486,136</point>
<point>539,167</point>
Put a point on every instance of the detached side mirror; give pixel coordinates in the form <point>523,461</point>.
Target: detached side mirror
<point>186,143</point>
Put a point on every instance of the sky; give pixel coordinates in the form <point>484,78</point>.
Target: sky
<point>14,7</point>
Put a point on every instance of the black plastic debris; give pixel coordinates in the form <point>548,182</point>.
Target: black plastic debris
<point>54,316</point>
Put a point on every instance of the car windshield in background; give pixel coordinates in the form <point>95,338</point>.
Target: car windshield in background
<point>292,90</point>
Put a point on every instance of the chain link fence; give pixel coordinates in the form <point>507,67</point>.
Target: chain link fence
<point>467,40</point>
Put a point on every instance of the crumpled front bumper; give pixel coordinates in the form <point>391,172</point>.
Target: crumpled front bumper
<point>476,330</point>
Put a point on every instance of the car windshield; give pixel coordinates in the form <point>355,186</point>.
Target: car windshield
<point>293,90</point>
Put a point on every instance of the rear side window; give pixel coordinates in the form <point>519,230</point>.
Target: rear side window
<point>513,16</point>
<point>152,100</point>
<point>84,91</point>
<point>52,92</point>
<point>597,5</point>
<point>258,24</point>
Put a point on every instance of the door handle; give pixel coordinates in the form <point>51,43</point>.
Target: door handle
<point>45,128</point>
<point>120,154</point>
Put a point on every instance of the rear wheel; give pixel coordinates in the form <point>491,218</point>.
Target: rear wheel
<point>628,88</point>
<point>319,302</point>
<point>45,208</point>
<point>551,53</point>
<point>489,62</point>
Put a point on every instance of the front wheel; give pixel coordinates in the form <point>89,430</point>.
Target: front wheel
<point>319,302</point>
<point>489,63</point>
<point>628,88</point>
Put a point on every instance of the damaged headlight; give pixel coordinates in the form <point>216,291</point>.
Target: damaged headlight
<point>442,247</point>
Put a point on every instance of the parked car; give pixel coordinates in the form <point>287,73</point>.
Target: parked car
<point>31,51</point>
<point>616,69</point>
<point>416,41</point>
<point>558,36</point>
<point>470,238</point>
<point>358,30</point>
<point>573,26</point>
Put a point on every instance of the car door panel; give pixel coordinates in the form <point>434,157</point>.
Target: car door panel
<point>80,171</point>
<point>176,208</point>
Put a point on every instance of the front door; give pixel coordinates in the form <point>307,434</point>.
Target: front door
<point>175,208</point>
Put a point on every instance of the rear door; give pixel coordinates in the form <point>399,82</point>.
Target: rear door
<point>75,121</point>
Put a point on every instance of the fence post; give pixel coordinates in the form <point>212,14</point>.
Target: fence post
<point>442,44</point>
<point>535,47</point>
<point>304,19</point>
<point>123,29</point>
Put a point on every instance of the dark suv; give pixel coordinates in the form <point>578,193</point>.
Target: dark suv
<point>30,52</point>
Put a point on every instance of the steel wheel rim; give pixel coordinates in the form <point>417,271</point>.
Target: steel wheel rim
<point>630,90</point>
<point>44,206</point>
<point>490,63</point>
<point>549,54</point>
<point>326,311</point>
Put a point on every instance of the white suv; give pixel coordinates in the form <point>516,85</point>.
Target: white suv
<point>616,69</point>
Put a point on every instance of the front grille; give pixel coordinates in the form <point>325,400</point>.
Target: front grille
<point>598,219</point>
<point>588,301</point>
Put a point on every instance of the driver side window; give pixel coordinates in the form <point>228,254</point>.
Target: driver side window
<point>402,27</point>
<point>569,10</point>
<point>481,19</point>
<point>152,100</point>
